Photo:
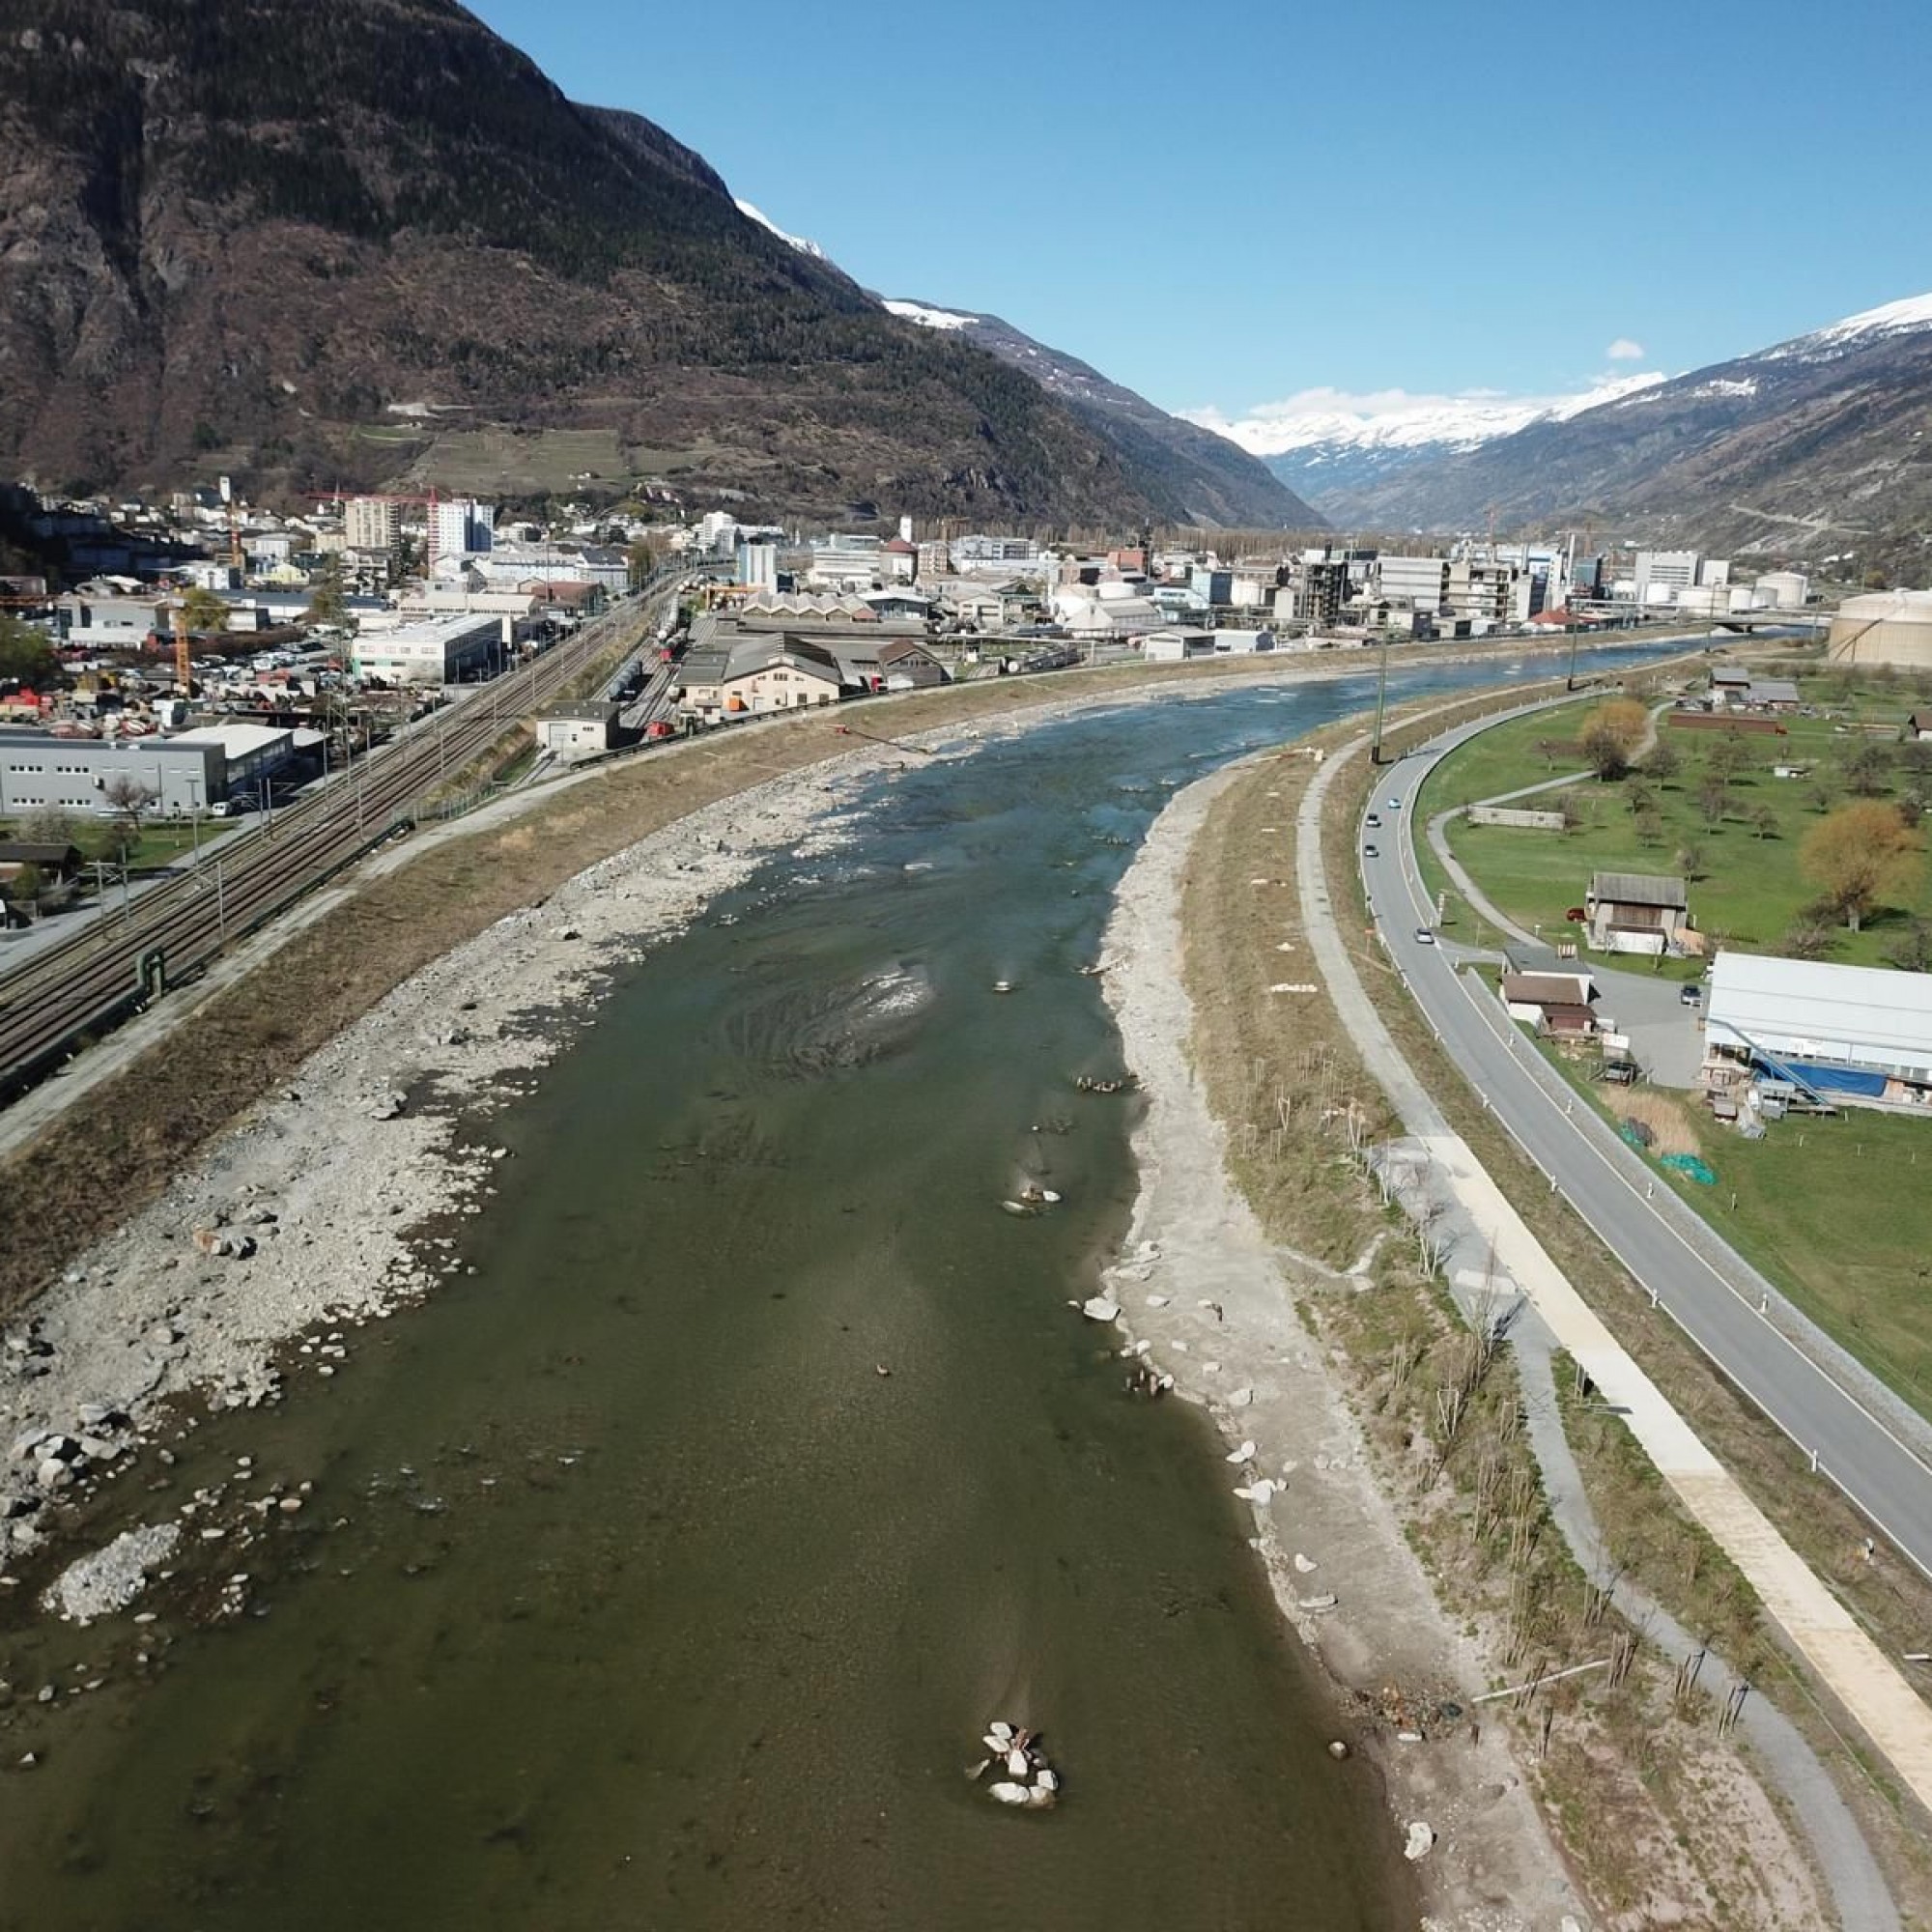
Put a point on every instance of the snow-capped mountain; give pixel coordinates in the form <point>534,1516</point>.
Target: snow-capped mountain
<point>1821,443</point>
<point>1319,450</point>
<point>764,220</point>
<point>1216,480</point>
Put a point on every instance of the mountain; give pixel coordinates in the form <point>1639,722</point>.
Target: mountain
<point>1221,483</point>
<point>1821,445</point>
<point>1332,455</point>
<point>370,240</point>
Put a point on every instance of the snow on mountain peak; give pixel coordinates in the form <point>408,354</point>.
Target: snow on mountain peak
<point>943,319</point>
<point>1395,419</point>
<point>764,220</point>
<point>1896,318</point>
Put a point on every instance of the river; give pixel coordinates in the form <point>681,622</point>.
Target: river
<point>632,1593</point>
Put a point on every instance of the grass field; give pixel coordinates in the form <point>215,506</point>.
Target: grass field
<point>1834,1211</point>
<point>1739,846</point>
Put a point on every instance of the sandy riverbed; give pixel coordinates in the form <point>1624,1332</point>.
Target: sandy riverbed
<point>1203,1285</point>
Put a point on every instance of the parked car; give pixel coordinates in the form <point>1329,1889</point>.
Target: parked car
<point>1691,994</point>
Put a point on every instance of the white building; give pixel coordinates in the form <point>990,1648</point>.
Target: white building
<point>1176,644</point>
<point>1857,1034</point>
<point>435,650</point>
<point>1417,582</point>
<point>758,565</point>
<point>575,728</point>
<point>1660,574</point>
<point>464,527</point>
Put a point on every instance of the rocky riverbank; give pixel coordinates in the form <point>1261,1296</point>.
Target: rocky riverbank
<point>307,1218</point>
<point>1203,1286</point>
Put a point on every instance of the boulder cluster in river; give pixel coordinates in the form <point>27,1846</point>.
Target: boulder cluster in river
<point>1025,1778</point>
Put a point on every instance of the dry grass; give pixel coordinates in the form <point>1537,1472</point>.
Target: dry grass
<point>1644,1797</point>
<point>1670,1128</point>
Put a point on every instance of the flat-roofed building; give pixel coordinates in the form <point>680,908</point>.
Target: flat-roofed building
<point>1862,1035</point>
<point>433,650</point>
<point>81,774</point>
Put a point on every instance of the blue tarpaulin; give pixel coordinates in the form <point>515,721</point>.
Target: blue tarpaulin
<point>1838,1079</point>
<point>1690,1167</point>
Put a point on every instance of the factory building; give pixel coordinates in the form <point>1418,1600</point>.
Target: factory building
<point>436,650</point>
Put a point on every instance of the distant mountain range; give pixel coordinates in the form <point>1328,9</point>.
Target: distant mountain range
<point>370,243</point>
<point>1334,454</point>
<point>1819,447</point>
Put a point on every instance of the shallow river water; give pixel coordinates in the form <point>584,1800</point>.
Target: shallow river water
<point>631,1594</point>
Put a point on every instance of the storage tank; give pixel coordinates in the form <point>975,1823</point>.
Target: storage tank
<point>1702,599</point>
<point>1745,597</point>
<point>1887,627</point>
<point>1784,589</point>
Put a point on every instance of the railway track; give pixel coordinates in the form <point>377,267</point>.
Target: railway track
<point>123,962</point>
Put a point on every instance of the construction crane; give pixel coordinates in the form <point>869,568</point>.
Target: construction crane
<point>338,496</point>
<point>184,668</point>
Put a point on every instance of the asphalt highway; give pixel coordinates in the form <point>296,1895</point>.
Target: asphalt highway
<point>1794,1374</point>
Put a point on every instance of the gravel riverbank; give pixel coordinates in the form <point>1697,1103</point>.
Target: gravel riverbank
<point>1205,1287</point>
<point>307,1217</point>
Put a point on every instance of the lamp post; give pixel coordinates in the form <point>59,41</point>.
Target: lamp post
<point>1381,700</point>
<point>194,814</point>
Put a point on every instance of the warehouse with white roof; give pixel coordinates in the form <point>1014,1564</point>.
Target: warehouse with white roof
<point>1857,1035</point>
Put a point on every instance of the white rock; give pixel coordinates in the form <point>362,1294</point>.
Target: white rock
<point>1097,1308</point>
<point>1008,1793</point>
<point>1305,1564</point>
<point>1002,1730</point>
<point>1017,1762</point>
<point>1159,1300</point>
<point>1240,1398</point>
<point>1244,1454</point>
<point>1047,1780</point>
<point>1421,1840</point>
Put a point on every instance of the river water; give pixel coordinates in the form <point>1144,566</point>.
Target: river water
<point>631,1593</point>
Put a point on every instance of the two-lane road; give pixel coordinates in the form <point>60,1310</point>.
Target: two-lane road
<point>1857,1436</point>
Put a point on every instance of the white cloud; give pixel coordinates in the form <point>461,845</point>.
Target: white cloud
<point>1624,349</point>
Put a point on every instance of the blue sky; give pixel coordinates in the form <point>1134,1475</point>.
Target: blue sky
<point>1224,206</point>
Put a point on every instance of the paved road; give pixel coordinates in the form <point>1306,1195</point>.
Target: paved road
<point>1861,1437</point>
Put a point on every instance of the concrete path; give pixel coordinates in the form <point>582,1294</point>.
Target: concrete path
<point>1511,1264</point>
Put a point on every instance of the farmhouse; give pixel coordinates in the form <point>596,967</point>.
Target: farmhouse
<point>1636,912</point>
<point>1557,1004</point>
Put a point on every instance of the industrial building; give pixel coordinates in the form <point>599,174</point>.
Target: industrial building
<point>435,650</point>
<point>1859,1036</point>
<point>253,755</point>
<point>579,728</point>
<point>1885,627</point>
<point>179,775</point>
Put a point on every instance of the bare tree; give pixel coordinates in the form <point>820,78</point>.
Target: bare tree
<point>129,799</point>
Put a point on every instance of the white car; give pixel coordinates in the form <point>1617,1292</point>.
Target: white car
<point>1424,937</point>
